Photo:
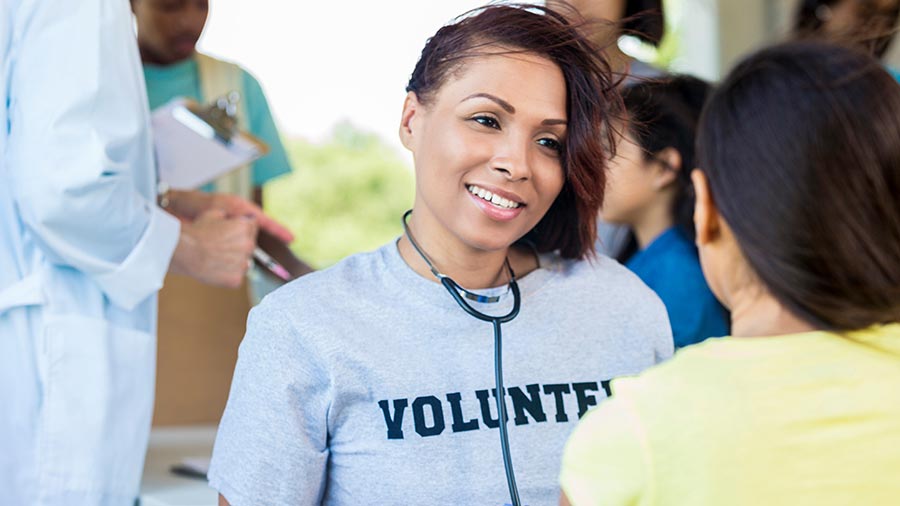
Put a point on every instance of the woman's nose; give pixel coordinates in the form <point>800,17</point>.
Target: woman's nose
<point>511,159</point>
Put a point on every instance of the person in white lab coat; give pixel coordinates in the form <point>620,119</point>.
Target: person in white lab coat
<point>83,250</point>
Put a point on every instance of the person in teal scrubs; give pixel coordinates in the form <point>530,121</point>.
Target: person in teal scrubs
<point>167,32</point>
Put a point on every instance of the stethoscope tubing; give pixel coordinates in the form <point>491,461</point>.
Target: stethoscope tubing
<point>452,287</point>
<point>456,292</point>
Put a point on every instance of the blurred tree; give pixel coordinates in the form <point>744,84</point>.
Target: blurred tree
<point>345,195</point>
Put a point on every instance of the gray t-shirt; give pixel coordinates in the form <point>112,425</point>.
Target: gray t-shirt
<point>366,384</point>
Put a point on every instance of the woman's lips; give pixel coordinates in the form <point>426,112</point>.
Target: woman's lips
<point>498,208</point>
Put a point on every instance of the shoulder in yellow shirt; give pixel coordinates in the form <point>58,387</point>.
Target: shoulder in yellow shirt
<point>803,419</point>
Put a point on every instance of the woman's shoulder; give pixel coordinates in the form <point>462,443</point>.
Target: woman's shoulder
<point>320,295</point>
<point>608,291</point>
<point>315,309</point>
<point>597,272</point>
<point>354,273</point>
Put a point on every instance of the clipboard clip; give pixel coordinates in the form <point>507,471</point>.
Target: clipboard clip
<point>216,120</point>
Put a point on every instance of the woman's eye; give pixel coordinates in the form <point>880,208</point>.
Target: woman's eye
<point>553,144</point>
<point>487,121</point>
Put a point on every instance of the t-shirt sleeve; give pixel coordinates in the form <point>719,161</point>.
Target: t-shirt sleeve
<point>275,163</point>
<point>606,460</point>
<point>272,443</point>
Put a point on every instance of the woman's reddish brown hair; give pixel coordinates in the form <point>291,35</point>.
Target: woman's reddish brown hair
<point>592,100</point>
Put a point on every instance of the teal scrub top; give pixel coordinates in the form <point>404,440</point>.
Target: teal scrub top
<point>182,79</point>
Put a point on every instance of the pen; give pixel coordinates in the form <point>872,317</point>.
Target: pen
<point>269,263</point>
<point>187,471</point>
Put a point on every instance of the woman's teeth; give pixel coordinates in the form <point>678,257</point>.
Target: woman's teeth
<point>497,200</point>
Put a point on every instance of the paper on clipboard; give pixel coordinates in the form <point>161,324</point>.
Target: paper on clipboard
<point>190,153</point>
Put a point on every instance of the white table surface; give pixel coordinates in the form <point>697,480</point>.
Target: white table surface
<point>168,447</point>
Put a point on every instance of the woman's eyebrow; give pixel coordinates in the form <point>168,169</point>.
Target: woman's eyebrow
<point>502,103</point>
<point>510,109</point>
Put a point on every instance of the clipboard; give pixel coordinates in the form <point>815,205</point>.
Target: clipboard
<point>195,145</point>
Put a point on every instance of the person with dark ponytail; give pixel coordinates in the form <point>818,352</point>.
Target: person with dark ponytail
<point>798,226</point>
<point>649,190</point>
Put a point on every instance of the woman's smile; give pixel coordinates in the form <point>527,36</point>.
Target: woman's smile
<point>495,204</point>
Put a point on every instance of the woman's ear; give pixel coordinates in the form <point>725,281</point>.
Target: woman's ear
<point>410,107</point>
<point>706,216</point>
<point>670,166</point>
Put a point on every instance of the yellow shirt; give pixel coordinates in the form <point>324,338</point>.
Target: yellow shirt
<point>803,419</point>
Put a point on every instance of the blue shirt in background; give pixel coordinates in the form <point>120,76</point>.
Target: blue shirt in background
<point>894,72</point>
<point>182,79</point>
<point>670,266</point>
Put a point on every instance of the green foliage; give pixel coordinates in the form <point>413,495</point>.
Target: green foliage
<point>670,46</point>
<point>345,195</point>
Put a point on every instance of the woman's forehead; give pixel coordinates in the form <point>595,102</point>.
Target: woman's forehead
<point>518,77</point>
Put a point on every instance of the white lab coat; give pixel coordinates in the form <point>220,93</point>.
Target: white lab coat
<point>83,250</point>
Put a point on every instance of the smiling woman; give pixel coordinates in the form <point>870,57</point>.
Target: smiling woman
<point>505,116</point>
<point>506,143</point>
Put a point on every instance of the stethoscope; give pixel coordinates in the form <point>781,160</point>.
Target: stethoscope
<point>460,295</point>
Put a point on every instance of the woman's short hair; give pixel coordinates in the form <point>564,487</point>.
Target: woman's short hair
<point>801,146</point>
<point>591,100</point>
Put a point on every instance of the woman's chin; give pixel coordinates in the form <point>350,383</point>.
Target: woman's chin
<point>491,243</point>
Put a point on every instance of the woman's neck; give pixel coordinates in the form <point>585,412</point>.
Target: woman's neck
<point>756,313</point>
<point>652,223</point>
<point>149,57</point>
<point>469,267</point>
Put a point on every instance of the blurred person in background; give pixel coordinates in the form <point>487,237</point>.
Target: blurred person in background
<point>642,19</point>
<point>610,20</point>
<point>649,190</point>
<point>167,33</point>
<point>870,24</point>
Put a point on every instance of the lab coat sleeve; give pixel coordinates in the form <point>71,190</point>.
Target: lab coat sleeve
<point>80,151</point>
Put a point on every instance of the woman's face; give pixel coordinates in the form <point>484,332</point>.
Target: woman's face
<point>630,184</point>
<point>487,150</point>
<point>168,30</point>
